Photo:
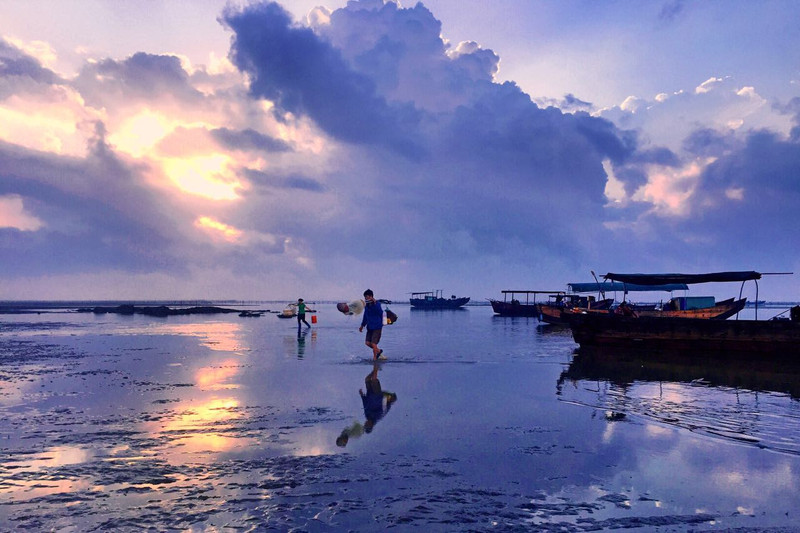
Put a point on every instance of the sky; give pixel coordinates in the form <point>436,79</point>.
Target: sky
<point>258,151</point>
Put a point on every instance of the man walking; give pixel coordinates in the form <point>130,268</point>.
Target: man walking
<point>373,320</point>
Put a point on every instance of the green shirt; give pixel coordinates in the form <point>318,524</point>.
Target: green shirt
<point>301,308</point>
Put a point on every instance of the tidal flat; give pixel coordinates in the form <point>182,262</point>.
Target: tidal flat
<point>229,423</point>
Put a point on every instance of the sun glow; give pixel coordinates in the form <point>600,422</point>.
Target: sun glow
<point>140,133</point>
<point>206,176</point>
<point>217,228</point>
<point>217,377</point>
<point>48,122</point>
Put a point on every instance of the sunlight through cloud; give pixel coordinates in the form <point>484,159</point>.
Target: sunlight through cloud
<point>218,229</point>
<point>206,176</point>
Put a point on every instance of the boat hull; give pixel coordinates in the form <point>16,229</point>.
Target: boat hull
<point>438,303</point>
<point>720,311</point>
<point>742,337</point>
<point>552,313</point>
<point>514,309</point>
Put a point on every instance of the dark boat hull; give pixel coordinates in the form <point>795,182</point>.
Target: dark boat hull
<point>720,311</point>
<point>732,337</point>
<point>552,313</point>
<point>438,303</point>
<point>514,309</point>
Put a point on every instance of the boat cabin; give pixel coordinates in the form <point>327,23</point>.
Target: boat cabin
<point>683,303</point>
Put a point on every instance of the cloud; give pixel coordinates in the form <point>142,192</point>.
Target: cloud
<point>16,66</point>
<point>14,215</point>
<point>366,148</point>
<point>294,68</point>
<point>249,139</point>
<point>671,10</point>
<point>369,119</point>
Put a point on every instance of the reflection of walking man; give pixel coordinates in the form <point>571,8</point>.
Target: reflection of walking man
<point>377,403</point>
<point>373,319</point>
<point>301,313</point>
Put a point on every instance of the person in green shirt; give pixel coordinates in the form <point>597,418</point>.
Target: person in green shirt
<point>301,313</point>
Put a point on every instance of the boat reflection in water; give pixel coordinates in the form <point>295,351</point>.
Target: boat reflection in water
<point>752,401</point>
<point>625,367</point>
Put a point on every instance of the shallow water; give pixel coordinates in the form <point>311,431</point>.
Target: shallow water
<point>217,422</point>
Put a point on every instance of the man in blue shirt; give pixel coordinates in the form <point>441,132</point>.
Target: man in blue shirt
<point>373,320</point>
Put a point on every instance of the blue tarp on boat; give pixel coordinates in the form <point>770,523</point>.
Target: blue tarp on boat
<point>660,279</point>
<point>610,286</point>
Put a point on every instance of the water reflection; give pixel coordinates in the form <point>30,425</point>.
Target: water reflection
<point>209,420</point>
<point>751,402</point>
<point>626,367</point>
<point>376,402</point>
<point>297,345</point>
<point>218,336</point>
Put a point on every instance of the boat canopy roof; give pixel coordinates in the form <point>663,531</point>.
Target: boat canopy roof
<point>609,286</point>
<point>531,292</point>
<point>661,279</point>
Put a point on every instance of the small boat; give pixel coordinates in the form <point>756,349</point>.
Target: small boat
<point>511,306</point>
<point>551,311</point>
<point>435,300</point>
<point>290,311</point>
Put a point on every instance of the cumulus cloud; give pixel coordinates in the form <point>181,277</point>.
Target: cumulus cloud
<point>362,147</point>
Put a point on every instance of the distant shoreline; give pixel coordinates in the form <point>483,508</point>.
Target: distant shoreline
<point>33,306</point>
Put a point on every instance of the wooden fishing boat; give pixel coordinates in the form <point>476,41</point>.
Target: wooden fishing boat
<point>512,304</point>
<point>718,311</point>
<point>755,337</point>
<point>435,300</point>
<point>678,333</point>
<point>551,312</point>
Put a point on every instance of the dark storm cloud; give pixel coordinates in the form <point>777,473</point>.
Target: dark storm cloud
<point>495,161</point>
<point>248,139</point>
<point>671,10</point>
<point>292,181</point>
<point>793,108</point>
<point>14,63</point>
<point>708,142</point>
<point>634,172</point>
<point>141,76</point>
<point>96,213</point>
<point>573,103</point>
<point>301,73</point>
<point>88,226</point>
<point>744,208</point>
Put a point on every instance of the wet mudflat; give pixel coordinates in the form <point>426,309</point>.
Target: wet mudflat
<point>226,423</point>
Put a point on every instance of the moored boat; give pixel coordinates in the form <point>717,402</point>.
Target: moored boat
<point>677,334</point>
<point>551,311</point>
<point>510,305</point>
<point>717,311</point>
<point>435,300</point>
<point>290,311</point>
<point>756,337</point>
